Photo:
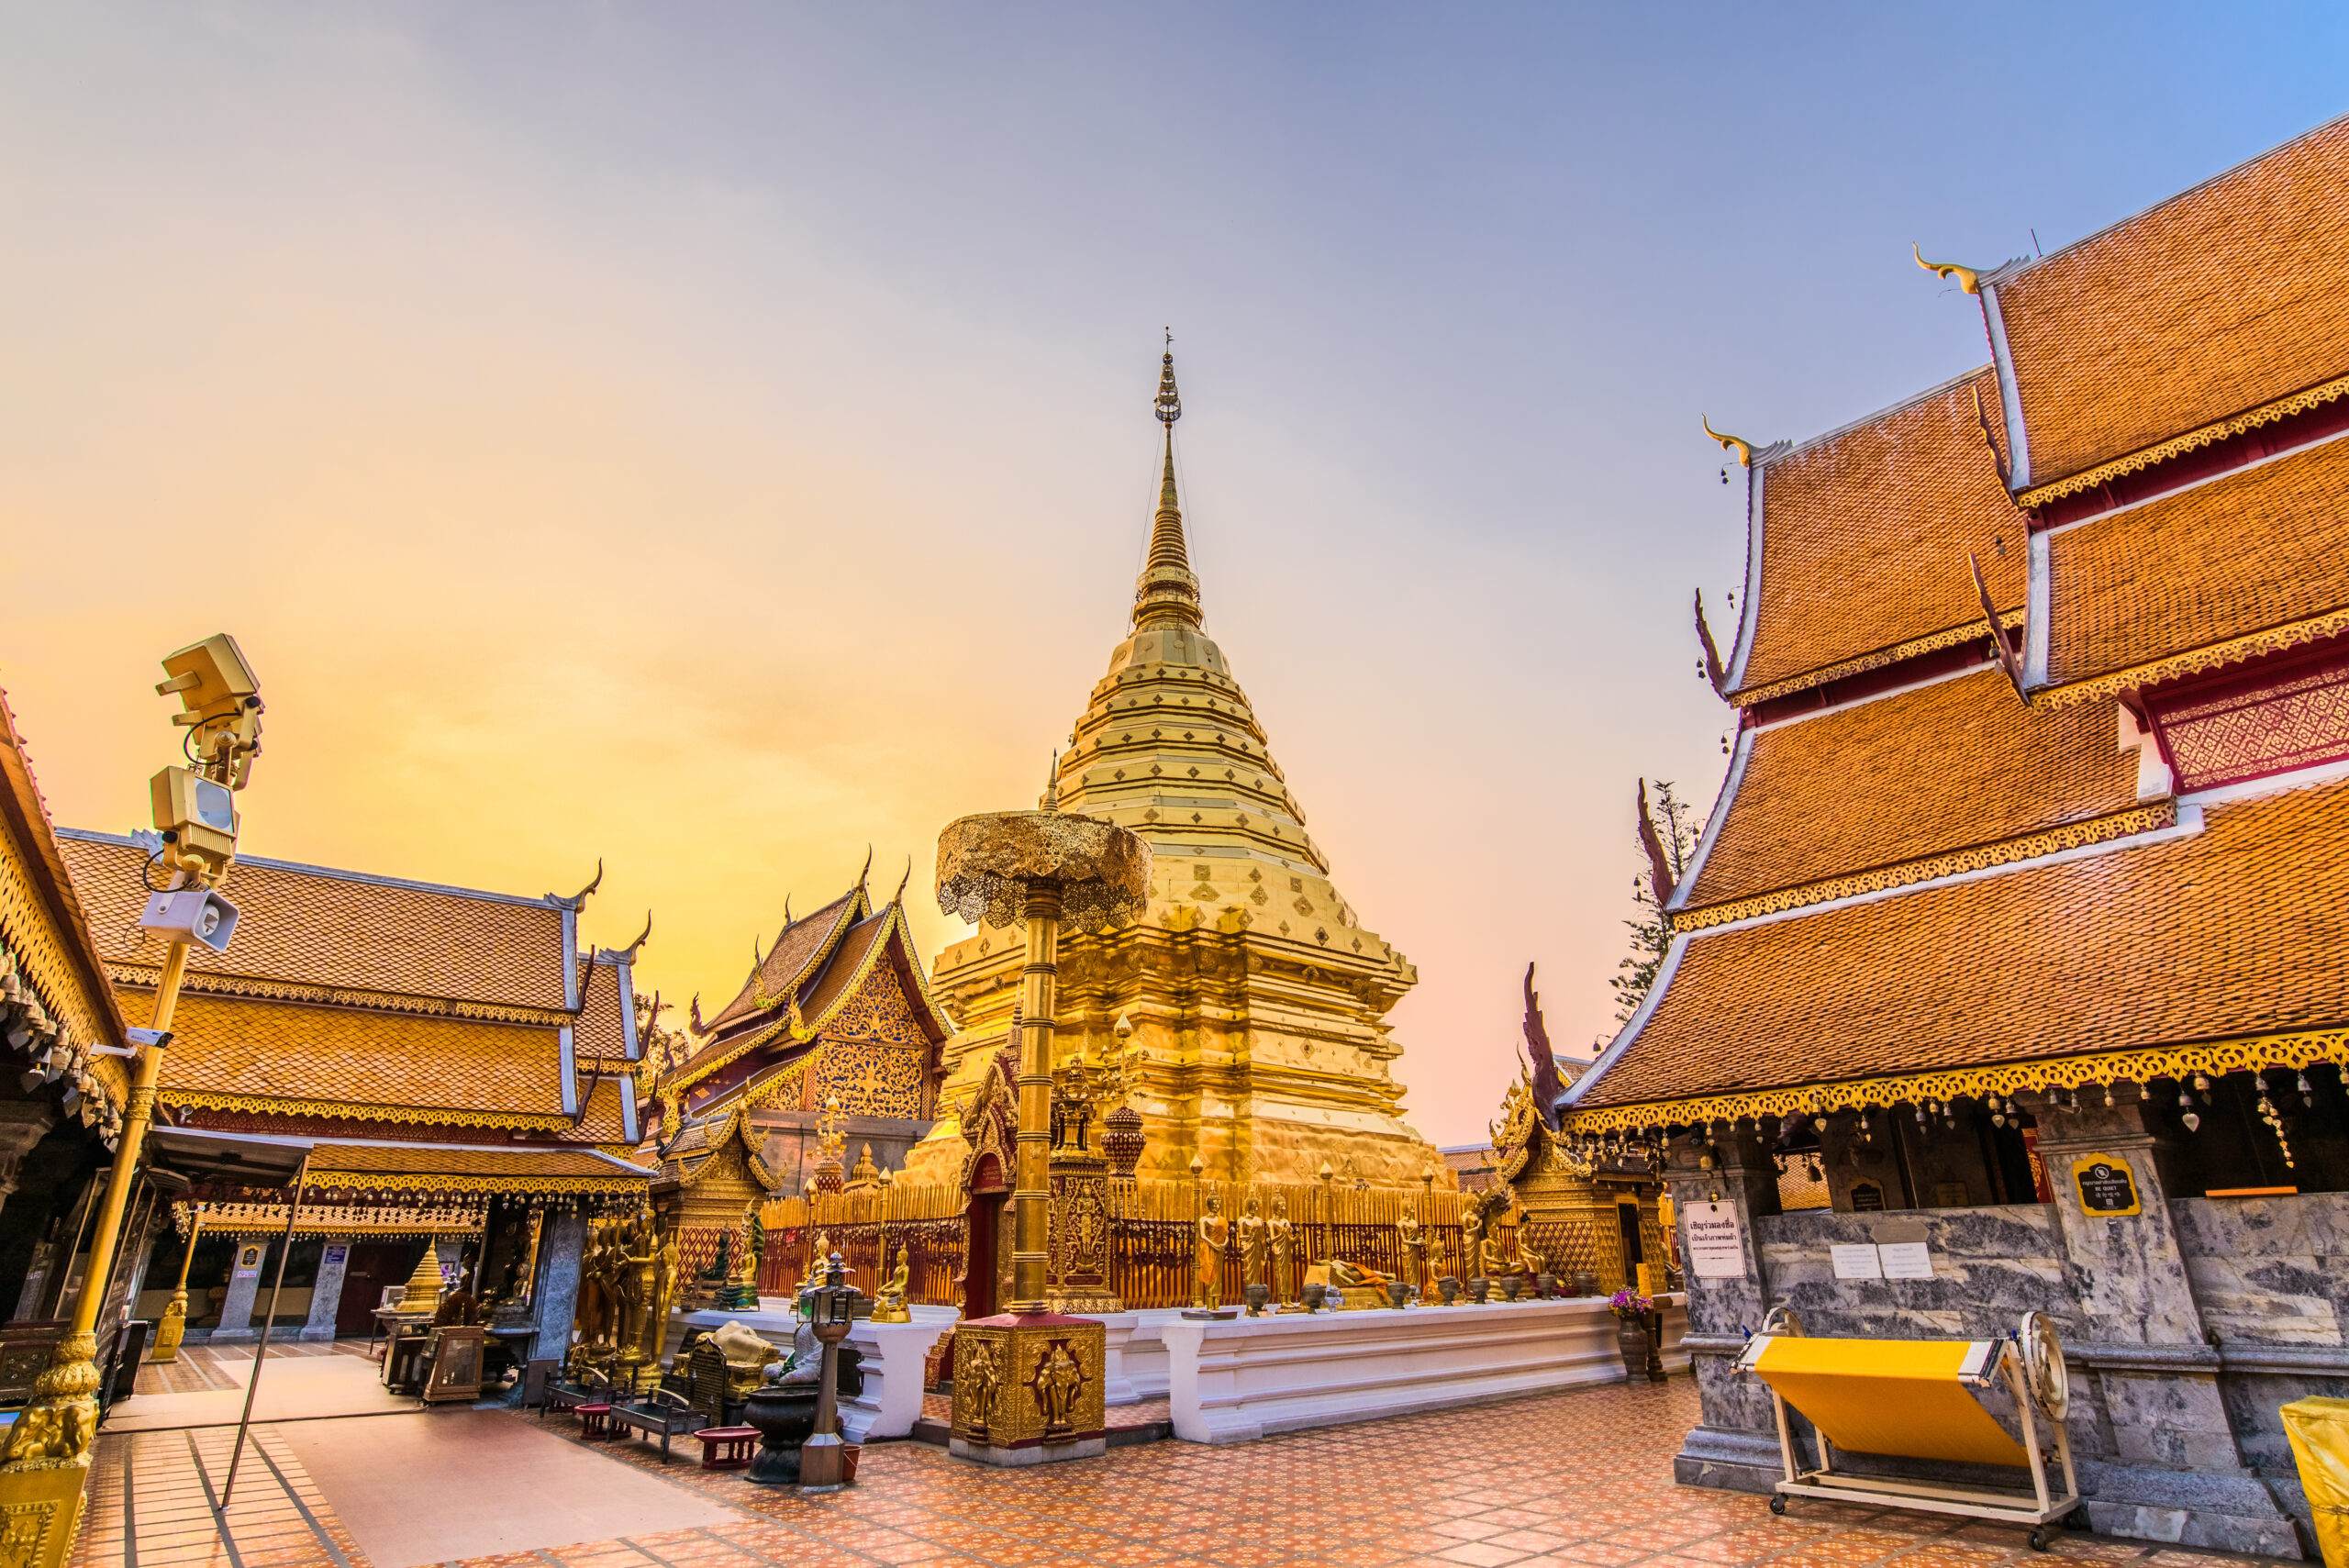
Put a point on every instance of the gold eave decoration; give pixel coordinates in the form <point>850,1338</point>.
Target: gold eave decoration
<point>2245,1053</point>
<point>1932,642</point>
<point>2115,824</point>
<point>2194,661</point>
<point>2265,414</point>
<point>142,976</point>
<point>527,1186</point>
<point>201,1099</point>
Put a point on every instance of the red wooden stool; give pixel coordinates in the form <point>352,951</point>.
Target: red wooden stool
<point>727,1448</point>
<point>595,1421</point>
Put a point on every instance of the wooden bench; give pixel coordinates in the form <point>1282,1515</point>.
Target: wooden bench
<point>569,1393</point>
<point>659,1413</point>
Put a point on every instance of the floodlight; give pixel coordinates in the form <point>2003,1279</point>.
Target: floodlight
<point>194,814</point>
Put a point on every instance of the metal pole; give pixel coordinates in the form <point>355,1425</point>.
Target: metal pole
<point>261,1352</point>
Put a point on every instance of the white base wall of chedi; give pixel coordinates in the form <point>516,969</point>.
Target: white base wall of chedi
<point>1257,998</point>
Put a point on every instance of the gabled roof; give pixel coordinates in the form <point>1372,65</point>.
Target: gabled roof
<point>777,980</point>
<point>44,924</point>
<point>2235,930</point>
<point>805,982</point>
<point>2260,548</point>
<point>1863,537</point>
<point>310,927</point>
<point>1941,767</point>
<point>2221,299</point>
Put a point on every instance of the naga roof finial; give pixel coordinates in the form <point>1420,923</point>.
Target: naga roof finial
<point>1744,448</point>
<point>1966,278</point>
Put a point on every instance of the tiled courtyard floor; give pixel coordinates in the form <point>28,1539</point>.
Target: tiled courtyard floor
<point>1570,1478</point>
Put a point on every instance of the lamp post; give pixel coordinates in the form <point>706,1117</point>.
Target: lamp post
<point>831,1309</point>
<point>173,1327</point>
<point>1040,1373</point>
<point>47,1454</point>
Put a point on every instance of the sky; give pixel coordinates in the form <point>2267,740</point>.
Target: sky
<point>714,440</point>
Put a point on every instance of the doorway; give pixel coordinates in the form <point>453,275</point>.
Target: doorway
<point>373,1265</point>
<point>982,1241</point>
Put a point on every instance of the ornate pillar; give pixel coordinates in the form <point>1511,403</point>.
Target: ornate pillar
<point>1028,1382</point>
<point>562,1245</point>
<point>1721,1185</point>
<point>325,1296</point>
<point>2167,1466</point>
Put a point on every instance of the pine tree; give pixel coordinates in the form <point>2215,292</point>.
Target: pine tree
<point>1676,829</point>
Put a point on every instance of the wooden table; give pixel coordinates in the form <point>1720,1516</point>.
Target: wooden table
<point>727,1448</point>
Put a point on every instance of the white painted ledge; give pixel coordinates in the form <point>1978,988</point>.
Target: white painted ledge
<point>894,1358</point>
<point>1246,1378</point>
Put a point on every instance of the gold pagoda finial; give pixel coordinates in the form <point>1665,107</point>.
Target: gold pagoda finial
<point>1167,592</point>
<point>1051,799</point>
<point>1966,278</point>
<point>1744,448</point>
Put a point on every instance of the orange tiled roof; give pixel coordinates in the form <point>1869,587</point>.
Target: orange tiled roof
<point>2237,929</point>
<point>2256,549</point>
<point>1865,534</point>
<point>601,1033</point>
<point>342,1061</point>
<point>309,926</point>
<point>2221,299</point>
<point>1912,773</point>
<point>786,968</point>
<point>465,1160</point>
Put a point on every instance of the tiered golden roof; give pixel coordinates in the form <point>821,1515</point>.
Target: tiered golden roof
<point>1933,873</point>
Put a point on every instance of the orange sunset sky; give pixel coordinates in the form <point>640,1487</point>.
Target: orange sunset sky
<point>715,439</point>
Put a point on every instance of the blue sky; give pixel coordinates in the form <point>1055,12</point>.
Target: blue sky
<point>716,437</point>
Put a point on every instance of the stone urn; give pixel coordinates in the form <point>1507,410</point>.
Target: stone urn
<point>1257,1294</point>
<point>1639,1338</point>
<point>1479,1288</point>
<point>1448,1288</point>
<point>1586,1283</point>
<point>1546,1287</point>
<point>1509,1283</point>
<point>1398,1294</point>
<point>1314,1294</point>
<point>784,1414</point>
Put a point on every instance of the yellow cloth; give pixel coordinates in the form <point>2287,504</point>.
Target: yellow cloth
<point>1892,1397</point>
<point>2319,1433</point>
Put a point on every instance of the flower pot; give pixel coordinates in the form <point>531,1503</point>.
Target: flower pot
<point>1631,1337</point>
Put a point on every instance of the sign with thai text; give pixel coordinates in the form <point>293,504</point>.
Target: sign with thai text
<point>1856,1261</point>
<point>2105,1185</point>
<point>1715,1242</point>
<point>1867,1198</point>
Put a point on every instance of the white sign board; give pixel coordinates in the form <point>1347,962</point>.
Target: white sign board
<point>1715,1242</point>
<point>1856,1261</point>
<point>1906,1260</point>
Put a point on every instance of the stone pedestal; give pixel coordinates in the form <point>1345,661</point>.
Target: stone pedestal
<point>1028,1389</point>
<point>235,1324</point>
<point>890,1402</point>
<point>326,1296</point>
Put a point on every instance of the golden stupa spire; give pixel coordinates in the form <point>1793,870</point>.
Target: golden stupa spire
<point>1166,592</point>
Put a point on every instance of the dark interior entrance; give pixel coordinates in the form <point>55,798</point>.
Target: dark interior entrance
<point>1627,1216</point>
<point>373,1265</point>
<point>980,1240</point>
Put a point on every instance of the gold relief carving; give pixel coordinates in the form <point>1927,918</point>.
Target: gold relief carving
<point>202,1099</point>
<point>2217,655</point>
<point>142,976</point>
<point>2071,836</point>
<point>1932,642</point>
<point>2247,1055</point>
<point>534,1186</point>
<point>871,1077</point>
<point>25,1530</point>
<point>2266,414</point>
<point>1023,1384</point>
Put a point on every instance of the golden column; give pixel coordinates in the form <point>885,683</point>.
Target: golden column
<point>48,1455</point>
<point>1035,1382</point>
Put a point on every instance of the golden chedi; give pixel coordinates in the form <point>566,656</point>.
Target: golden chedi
<point>1257,998</point>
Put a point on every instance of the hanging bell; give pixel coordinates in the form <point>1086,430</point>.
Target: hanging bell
<point>2108,1096</point>
<point>2184,1100</point>
<point>2308,1096</point>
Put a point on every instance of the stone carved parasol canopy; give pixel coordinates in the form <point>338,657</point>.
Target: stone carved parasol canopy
<point>985,864</point>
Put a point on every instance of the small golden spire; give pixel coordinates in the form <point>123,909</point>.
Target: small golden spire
<point>1167,592</point>
<point>1051,799</point>
<point>1966,278</point>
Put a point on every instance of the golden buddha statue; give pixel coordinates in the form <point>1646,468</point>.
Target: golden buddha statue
<point>1252,1243</point>
<point>1414,1237</point>
<point>889,1301</point>
<point>1214,1231</point>
<point>1280,1235</point>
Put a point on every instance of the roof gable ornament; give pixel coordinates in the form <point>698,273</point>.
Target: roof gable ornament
<point>1659,867</point>
<point>1546,1088</point>
<point>1966,278</point>
<point>1713,666</point>
<point>2007,660</point>
<point>1990,439</point>
<point>1744,448</point>
<point>578,900</point>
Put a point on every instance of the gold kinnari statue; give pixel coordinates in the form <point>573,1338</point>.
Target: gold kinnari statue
<point>1281,1235</point>
<point>977,1380</point>
<point>1214,1230</point>
<point>1252,1243</point>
